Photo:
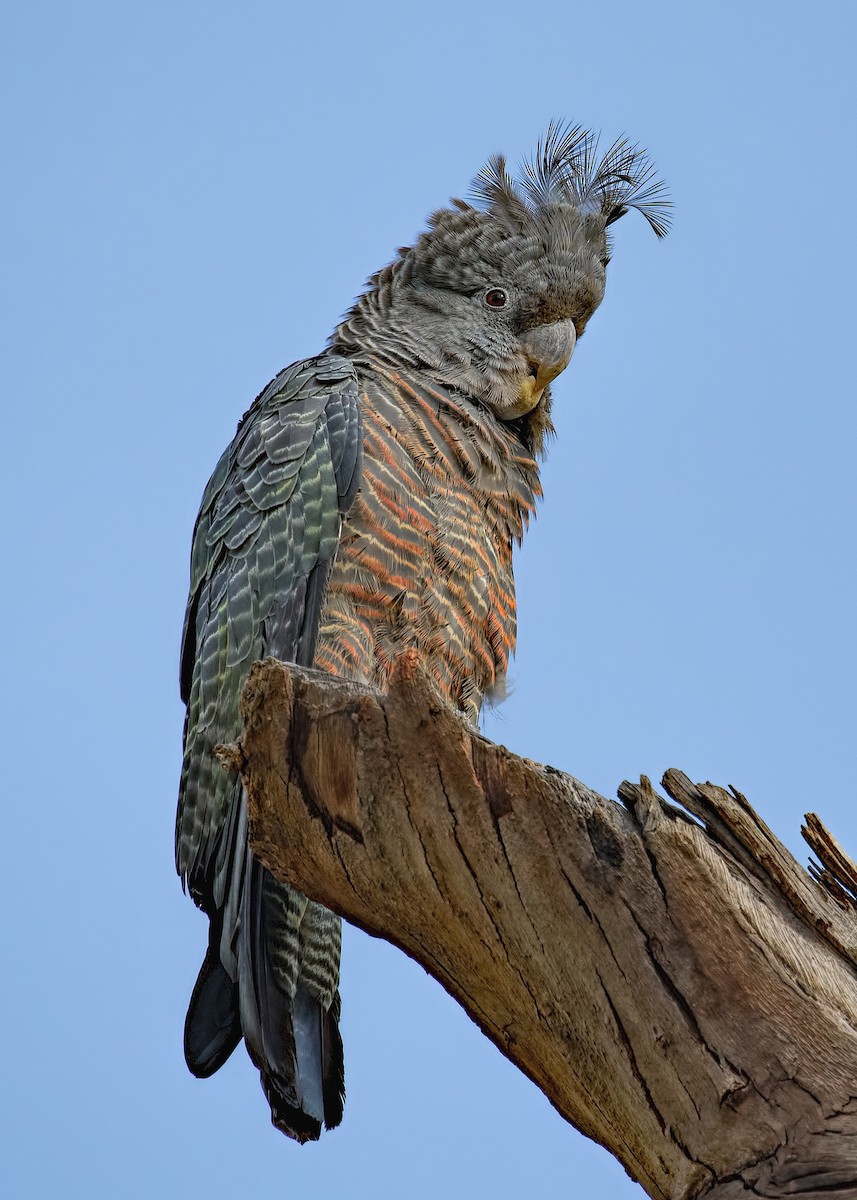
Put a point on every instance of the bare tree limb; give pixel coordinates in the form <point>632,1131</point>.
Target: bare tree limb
<point>670,977</point>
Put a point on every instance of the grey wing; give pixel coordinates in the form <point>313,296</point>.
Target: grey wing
<point>264,543</point>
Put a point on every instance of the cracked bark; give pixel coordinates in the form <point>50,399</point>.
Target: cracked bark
<point>678,986</point>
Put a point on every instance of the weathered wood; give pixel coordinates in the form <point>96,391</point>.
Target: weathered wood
<point>682,992</point>
<point>834,870</point>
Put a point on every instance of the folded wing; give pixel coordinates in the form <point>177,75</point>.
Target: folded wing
<point>264,543</point>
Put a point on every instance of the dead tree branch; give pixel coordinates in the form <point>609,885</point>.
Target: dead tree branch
<point>673,980</point>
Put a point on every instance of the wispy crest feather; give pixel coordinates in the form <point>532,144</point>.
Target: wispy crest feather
<point>565,170</point>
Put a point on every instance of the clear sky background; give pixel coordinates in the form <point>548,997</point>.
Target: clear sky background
<point>193,193</point>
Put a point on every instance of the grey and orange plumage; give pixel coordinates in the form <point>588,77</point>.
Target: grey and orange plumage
<point>369,503</point>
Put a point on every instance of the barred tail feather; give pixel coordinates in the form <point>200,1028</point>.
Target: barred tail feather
<point>320,1073</point>
<point>249,986</point>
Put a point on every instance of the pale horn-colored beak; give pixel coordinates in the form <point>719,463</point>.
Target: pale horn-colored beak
<point>549,349</point>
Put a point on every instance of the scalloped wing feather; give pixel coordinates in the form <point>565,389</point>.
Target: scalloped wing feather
<point>269,520</point>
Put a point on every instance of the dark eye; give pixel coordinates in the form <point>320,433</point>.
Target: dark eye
<point>496,298</point>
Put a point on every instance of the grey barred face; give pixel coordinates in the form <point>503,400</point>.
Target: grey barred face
<point>450,283</point>
<point>492,297</point>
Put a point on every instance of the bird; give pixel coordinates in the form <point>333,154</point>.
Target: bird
<point>369,505</point>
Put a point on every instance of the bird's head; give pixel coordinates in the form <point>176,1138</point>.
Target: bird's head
<point>492,297</point>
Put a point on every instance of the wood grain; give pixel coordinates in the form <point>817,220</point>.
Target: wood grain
<point>678,986</point>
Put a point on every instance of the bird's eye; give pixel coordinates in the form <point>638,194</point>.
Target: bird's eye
<point>496,298</point>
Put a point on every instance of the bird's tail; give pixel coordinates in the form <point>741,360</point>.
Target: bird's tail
<point>270,975</point>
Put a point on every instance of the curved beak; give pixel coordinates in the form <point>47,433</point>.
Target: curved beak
<point>549,349</point>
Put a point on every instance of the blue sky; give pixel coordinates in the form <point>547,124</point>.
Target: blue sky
<point>193,195</point>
